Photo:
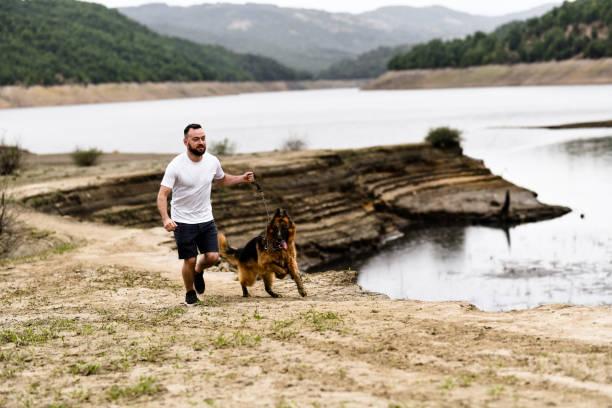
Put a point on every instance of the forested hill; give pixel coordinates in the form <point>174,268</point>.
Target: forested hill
<point>67,41</point>
<point>580,29</point>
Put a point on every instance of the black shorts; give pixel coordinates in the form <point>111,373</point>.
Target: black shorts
<point>191,237</point>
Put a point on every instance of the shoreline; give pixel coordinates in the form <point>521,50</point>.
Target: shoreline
<point>568,72</point>
<point>347,202</point>
<point>576,125</point>
<point>58,95</point>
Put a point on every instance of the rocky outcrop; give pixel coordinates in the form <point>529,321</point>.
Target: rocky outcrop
<point>344,202</point>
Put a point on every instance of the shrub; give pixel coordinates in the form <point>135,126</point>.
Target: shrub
<point>444,137</point>
<point>9,224</point>
<point>10,157</point>
<point>293,143</point>
<point>86,157</point>
<point>223,147</point>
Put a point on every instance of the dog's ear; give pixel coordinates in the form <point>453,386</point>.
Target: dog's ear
<point>287,216</point>
<point>277,213</point>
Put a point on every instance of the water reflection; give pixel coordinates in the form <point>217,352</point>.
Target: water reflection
<point>599,148</point>
<point>566,260</point>
<point>483,271</point>
<point>445,243</point>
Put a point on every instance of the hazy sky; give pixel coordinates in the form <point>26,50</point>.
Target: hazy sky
<point>484,7</point>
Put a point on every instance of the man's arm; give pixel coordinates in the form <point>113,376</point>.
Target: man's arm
<point>162,207</point>
<point>228,180</point>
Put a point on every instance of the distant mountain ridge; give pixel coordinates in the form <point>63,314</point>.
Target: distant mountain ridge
<point>49,42</point>
<point>312,39</point>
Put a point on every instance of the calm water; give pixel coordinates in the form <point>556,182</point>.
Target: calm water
<point>564,260</point>
<point>567,260</point>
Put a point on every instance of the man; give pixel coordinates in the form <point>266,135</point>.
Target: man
<point>189,178</point>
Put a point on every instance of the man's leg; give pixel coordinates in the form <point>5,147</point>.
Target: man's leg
<point>185,235</point>
<point>208,244</point>
<point>188,273</point>
<point>206,261</point>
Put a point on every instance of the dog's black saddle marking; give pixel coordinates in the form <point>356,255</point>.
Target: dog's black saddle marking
<point>249,252</point>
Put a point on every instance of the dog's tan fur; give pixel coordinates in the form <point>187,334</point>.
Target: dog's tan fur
<point>267,256</point>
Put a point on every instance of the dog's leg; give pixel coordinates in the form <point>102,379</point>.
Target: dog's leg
<point>295,275</point>
<point>246,277</point>
<point>267,278</point>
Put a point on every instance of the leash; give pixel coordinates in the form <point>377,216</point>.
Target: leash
<point>263,198</point>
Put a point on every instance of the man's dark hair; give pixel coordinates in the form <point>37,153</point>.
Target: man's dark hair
<point>191,126</point>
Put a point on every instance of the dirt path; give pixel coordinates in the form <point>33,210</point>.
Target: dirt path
<point>103,325</point>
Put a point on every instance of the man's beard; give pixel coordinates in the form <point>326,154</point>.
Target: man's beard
<point>196,151</point>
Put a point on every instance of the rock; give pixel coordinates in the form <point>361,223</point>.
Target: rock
<point>345,203</point>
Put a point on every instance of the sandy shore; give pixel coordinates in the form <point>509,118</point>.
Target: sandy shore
<point>20,96</point>
<point>569,72</point>
<point>97,320</point>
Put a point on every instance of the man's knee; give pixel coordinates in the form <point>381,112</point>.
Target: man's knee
<point>190,261</point>
<point>211,258</point>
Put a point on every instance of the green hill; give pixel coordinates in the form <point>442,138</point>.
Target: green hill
<point>580,29</point>
<point>66,41</point>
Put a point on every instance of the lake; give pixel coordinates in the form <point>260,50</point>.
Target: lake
<point>566,260</point>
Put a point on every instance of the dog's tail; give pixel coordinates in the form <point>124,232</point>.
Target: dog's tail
<point>229,253</point>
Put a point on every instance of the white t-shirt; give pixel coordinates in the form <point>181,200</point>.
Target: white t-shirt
<point>191,183</point>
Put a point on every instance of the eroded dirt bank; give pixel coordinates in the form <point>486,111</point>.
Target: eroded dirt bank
<point>20,96</point>
<point>102,325</point>
<point>570,72</point>
<point>344,202</point>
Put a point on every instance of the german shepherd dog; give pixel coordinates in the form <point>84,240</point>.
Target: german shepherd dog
<point>267,255</point>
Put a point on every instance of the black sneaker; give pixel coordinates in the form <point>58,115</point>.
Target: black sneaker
<point>198,282</point>
<point>191,299</point>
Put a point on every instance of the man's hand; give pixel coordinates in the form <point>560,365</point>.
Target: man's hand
<point>228,180</point>
<point>248,177</point>
<point>169,225</point>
